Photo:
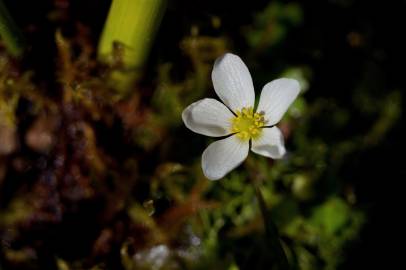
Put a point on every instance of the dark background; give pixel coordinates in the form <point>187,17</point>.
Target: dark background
<point>320,42</point>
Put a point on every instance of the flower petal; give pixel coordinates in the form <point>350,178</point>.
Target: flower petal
<point>276,98</point>
<point>270,144</point>
<point>232,82</point>
<point>222,156</point>
<point>208,117</point>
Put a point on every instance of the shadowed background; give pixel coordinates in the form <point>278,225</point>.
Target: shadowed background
<point>335,197</point>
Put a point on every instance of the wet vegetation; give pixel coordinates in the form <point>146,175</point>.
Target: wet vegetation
<point>95,177</point>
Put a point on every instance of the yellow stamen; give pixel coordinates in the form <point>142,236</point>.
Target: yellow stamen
<point>247,124</point>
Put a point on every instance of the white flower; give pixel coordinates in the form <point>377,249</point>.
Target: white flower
<point>248,128</point>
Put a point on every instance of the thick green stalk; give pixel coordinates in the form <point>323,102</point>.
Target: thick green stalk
<point>129,31</point>
<point>9,32</point>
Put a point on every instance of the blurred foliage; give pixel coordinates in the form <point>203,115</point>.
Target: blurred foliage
<point>91,179</point>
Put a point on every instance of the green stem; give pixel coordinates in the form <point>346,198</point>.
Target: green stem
<point>278,254</point>
<point>9,32</point>
<point>129,30</point>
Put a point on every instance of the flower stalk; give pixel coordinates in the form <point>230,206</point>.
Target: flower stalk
<point>9,33</point>
<point>129,29</point>
<point>279,256</point>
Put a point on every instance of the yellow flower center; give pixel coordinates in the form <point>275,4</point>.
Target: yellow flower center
<point>247,124</point>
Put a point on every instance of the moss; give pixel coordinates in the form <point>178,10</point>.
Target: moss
<point>94,178</point>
